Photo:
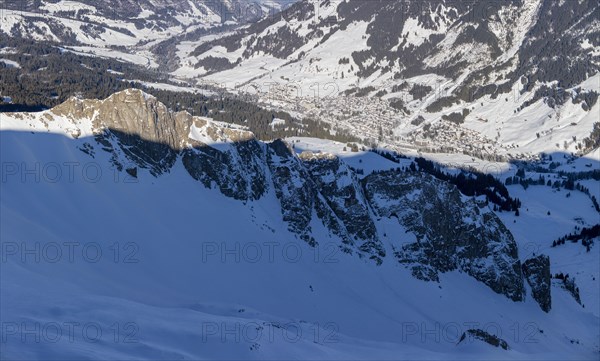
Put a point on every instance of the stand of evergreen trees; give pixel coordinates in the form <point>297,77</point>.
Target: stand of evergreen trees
<point>586,235</point>
<point>49,75</point>
<point>389,154</point>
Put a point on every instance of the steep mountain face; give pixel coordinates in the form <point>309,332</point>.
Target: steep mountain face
<point>452,232</point>
<point>341,189</point>
<point>238,171</point>
<point>140,132</point>
<point>136,128</point>
<point>180,237</point>
<point>239,234</point>
<point>295,190</point>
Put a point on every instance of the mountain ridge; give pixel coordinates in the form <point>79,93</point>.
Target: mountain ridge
<point>362,225</point>
<point>138,129</point>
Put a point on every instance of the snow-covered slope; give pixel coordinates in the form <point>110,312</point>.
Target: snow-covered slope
<point>131,232</point>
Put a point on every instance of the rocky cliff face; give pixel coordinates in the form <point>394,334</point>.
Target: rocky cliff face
<point>132,112</point>
<point>453,232</point>
<point>294,188</point>
<point>237,172</point>
<point>344,195</point>
<point>320,184</point>
<point>537,274</point>
<point>145,131</point>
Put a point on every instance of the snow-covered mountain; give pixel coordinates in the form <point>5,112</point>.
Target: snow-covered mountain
<point>124,22</point>
<point>486,77</point>
<point>129,231</point>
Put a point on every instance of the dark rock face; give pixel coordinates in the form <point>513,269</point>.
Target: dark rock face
<point>537,273</point>
<point>569,285</point>
<point>302,190</point>
<point>479,334</point>
<point>132,172</point>
<point>453,233</point>
<point>237,171</point>
<point>294,189</point>
<point>158,158</point>
<point>342,191</point>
